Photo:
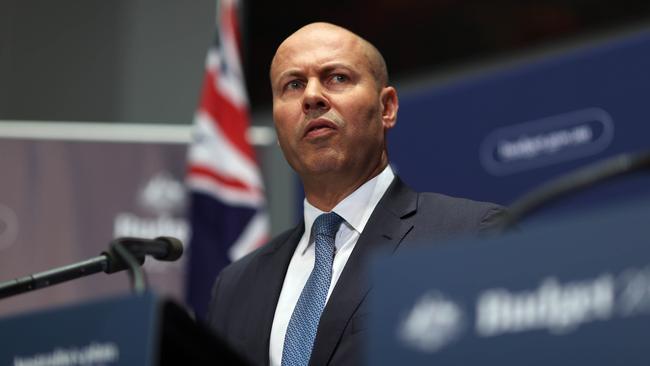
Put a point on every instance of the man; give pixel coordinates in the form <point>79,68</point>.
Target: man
<point>285,304</point>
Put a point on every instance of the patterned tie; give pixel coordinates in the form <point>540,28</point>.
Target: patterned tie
<point>301,331</point>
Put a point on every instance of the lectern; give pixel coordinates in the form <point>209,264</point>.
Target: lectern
<point>570,291</point>
<point>142,329</point>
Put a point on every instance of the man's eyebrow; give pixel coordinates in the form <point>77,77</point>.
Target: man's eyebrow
<point>289,73</point>
<point>336,65</point>
<point>328,67</point>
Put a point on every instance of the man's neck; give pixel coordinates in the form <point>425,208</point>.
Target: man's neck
<point>325,192</point>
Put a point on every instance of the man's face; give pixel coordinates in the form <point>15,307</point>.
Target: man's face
<point>327,106</point>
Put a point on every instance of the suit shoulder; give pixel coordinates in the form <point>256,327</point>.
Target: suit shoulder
<point>458,212</point>
<point>455,202</point>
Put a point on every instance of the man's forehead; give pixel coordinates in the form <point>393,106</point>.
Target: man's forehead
<point>315,40</point>
<point>323,32</point>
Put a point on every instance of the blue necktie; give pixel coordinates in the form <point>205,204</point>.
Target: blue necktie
<point>301,331</point>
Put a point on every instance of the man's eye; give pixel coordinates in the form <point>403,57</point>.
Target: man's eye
<point>338,78</point>
<point>292,85</point>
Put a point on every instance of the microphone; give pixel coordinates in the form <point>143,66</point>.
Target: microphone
<point>122,253</point>
<point>163,248</point>
<point>172,248</point>
<point>598,172</point>
<point>129,252</point>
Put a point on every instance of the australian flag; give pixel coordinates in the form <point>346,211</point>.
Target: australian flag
<point>227,205</point>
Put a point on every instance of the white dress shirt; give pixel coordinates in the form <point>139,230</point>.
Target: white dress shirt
<point>355,209</point>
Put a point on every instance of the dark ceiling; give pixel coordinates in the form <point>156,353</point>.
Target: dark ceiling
<point>422,37</point>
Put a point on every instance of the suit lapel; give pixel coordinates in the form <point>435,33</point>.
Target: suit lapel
<point>271,268</point>
<point>385,229</point>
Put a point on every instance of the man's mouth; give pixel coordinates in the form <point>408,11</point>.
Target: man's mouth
<point>319,127</point>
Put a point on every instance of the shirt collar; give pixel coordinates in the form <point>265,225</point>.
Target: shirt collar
<point>357,207</point>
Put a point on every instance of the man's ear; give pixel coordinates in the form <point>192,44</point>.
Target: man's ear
<point>389,106</point>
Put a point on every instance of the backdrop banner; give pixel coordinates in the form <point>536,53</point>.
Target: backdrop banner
<point>495,135</point>
<point>64,201</point>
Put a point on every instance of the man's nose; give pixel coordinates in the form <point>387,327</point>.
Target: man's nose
<point>313,98</point>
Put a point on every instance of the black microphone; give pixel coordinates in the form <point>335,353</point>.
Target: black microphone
<point>123,253</point>
<point>172,248</point>
<point>598,172</point>
<point>129,253</point>
<point>164,248</point>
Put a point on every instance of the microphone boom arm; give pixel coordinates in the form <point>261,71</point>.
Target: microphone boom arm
<point>123,253</point>
<point>53,276</point>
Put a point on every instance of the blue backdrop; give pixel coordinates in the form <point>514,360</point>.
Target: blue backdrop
<point>496,135</point>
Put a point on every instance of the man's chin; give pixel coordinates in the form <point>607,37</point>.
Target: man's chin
<point>323,165</point>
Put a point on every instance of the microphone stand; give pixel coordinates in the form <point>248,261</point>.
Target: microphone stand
<point>138,279</point>
<point>123,253</point>
<point>117,258</point>
<point>53,276</point>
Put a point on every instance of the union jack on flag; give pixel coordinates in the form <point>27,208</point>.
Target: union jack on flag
<point>227,204</point>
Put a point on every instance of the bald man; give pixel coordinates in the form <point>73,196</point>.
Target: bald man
<point>288,303</point>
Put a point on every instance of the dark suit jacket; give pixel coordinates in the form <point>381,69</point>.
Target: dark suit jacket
<point>246,292</point>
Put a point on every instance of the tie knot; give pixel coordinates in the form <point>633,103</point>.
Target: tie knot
<point>327,224</point>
